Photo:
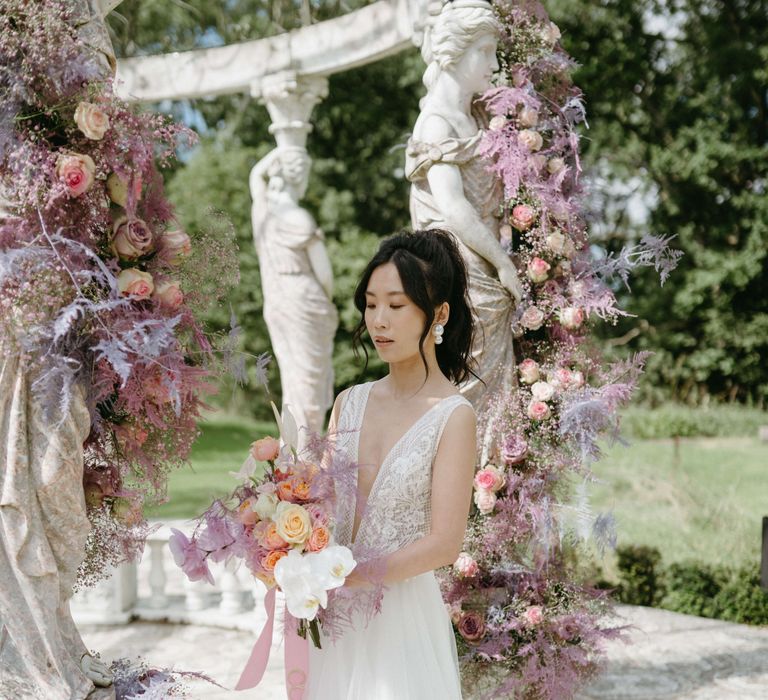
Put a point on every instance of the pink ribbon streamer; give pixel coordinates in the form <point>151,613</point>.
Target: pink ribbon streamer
<point>296,654</point>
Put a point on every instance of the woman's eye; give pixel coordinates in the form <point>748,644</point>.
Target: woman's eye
<point>370,306</point>
<point>398,307</point>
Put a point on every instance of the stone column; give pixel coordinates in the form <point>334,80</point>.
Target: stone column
<point>296,274</point>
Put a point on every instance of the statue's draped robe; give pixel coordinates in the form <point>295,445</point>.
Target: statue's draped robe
<point>43,529</point>
<point>493,349</point>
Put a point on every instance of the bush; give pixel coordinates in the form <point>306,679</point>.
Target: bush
<point>676,420</point>
<point>639,579</point>
<point>692,587</point>
<point>742,600</point>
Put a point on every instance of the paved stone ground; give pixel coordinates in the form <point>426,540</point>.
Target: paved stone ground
<point>671,656</point>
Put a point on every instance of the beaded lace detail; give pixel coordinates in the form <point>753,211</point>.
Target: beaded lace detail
<point>398,511</point>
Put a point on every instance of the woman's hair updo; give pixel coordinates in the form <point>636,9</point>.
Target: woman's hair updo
<point>432,272</point>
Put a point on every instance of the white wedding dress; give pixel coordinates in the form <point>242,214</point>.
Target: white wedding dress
<point>407,651</point>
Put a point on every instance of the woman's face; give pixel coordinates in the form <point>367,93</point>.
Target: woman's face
<point>393,321</point>
<point>476,67</point>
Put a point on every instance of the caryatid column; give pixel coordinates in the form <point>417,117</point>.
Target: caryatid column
<point>296,275</point>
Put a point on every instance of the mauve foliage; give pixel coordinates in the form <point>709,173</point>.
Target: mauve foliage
<point>97,283</point>
<point>541,633</point>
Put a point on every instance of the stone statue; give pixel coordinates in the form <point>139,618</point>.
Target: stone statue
<point>451,187</point>
<point>297,282</point>
<point>43,522</point>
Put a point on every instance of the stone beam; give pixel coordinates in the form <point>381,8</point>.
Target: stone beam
<point>363,36</point>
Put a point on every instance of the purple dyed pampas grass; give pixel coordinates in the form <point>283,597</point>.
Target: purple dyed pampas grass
<point>523,623</point>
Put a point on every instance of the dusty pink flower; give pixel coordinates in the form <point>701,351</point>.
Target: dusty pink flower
<point>471,626</point>
<point>176,246</point>
<point>528,117</point>
<point>76,171</point>
<point>266,449</point>
<point>538,270</point>
<point>187,556</point>
<point>514,450</point>
<point>538,410</point>
<point>523,217</point>
<point>489,478</point>
<point>542,391</point>
<point>485,500</point>
<point>532,318</point>
<point>91,120</point>
<point>117,188</point>
<point>530,139</point>
<point>465,565</point>
<point>135,283</point>
<point>169,295</point>
<point>572,317</point>
<point>131,238</point>
<point>533,615</point>
<point>529,371</point>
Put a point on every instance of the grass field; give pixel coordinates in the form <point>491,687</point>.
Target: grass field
<point>703,499</point>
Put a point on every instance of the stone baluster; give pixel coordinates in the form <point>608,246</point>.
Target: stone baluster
<point>232,594</point>
<point>158,578</point>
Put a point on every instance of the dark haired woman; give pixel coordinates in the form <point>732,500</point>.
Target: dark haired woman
<point>413,436</point>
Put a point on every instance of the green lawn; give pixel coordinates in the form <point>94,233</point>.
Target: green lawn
<point>707,503</point>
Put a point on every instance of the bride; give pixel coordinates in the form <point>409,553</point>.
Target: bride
<point>413,436</point>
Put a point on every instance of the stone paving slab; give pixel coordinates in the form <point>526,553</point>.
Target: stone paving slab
<point>670,657</point>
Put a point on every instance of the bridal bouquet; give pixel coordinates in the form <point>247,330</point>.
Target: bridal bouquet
<point>278,522</point>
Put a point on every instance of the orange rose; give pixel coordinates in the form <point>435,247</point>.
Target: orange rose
<point>285,490</point>
<point>269,560</point>
<point>319,539</point>
<point>300,488</point>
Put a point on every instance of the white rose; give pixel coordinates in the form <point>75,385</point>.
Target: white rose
<point>91,120</point>
<point>555,165</point>
<point>542,391</point>
<point>265,505</point>
<point>528,117</point>
<point>556,242</point>
<point>497,123</point>
<point>530,139</point>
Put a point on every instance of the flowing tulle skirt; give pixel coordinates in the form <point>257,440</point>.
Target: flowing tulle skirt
<point>407,652</point>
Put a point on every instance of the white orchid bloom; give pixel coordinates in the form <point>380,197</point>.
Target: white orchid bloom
<point>303,588</point>
<point>332,565</point>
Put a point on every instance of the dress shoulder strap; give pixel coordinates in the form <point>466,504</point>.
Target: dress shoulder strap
<point>445,411</point>
<point>351,407</point>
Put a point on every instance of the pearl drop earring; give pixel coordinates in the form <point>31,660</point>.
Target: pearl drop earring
<point>438,331</point>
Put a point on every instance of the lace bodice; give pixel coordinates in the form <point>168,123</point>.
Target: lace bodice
<point>398,511</point>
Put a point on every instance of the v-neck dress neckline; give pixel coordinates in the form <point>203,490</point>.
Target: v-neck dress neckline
<point>385,461</point>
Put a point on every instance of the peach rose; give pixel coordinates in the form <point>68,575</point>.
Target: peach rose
<point>269,560</point>
<point>538,410</point>
<point>91,120</point>
<point>293,523</point>
<point>300,488</point>
<point>530,139</point>
<point>485,500</point>
<point>523,217</point>
<point>497,123</point>
<point>533,615</point>
<point>285,490</point>
<point>267,536</point>
<point>76,172</point>
<point>555,165</point>
<point>131,238</point>
<point>176,246</point>
<point>538,270</point>
<point>266,449</point>
<point>135,283</point>
<point>542,391</point>
<point>571,317</point>
<point>465,565</point>
<point>489,478</point>
<point>529,371</point>
<point>168,294</point>
<point>528,117</point>
<point>532,318</point>
<point>117,188</point>
<point>319,538</point>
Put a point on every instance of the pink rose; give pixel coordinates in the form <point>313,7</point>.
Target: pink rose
<point>489,478</point>
<point>117,188</point>
<point>533,615</point>
<point>561,378</point>
<point>577,379</point>
<point>556,242</point>
<point>265,533</point>
<point>465,565</point>
<point>514,450</point>
<point>571,317</point>
<point>555,165</point>
<point>471,626</point>
<point>169,295</point>
<point>265,450</point>
<point>135,283</point>
<point>523,217</point>
<point>497,123</point>
<point>528,117</point>
<point>131,238</point>
<point>542,391</point>
<point>176,246</point>
<point>532,318</point>
<point>529,371</point>
<point>530,139</point>
<point>91,120</point>
<point>485,500</point>
<point>538,410</point>
<point>538,270</point>
<point>76,172</point>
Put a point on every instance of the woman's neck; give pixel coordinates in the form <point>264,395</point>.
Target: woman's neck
<point>407,378</point>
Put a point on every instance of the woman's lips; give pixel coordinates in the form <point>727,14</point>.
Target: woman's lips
<point>383,342</point>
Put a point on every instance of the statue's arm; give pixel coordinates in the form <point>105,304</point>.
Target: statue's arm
<point>320,262</point>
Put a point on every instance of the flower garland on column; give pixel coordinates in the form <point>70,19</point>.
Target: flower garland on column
<point>100,290</point>
<point>523,623</point>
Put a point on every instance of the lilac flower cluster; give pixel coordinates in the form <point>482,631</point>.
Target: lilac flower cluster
<point>523,624</point>
<point>97,280</point>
